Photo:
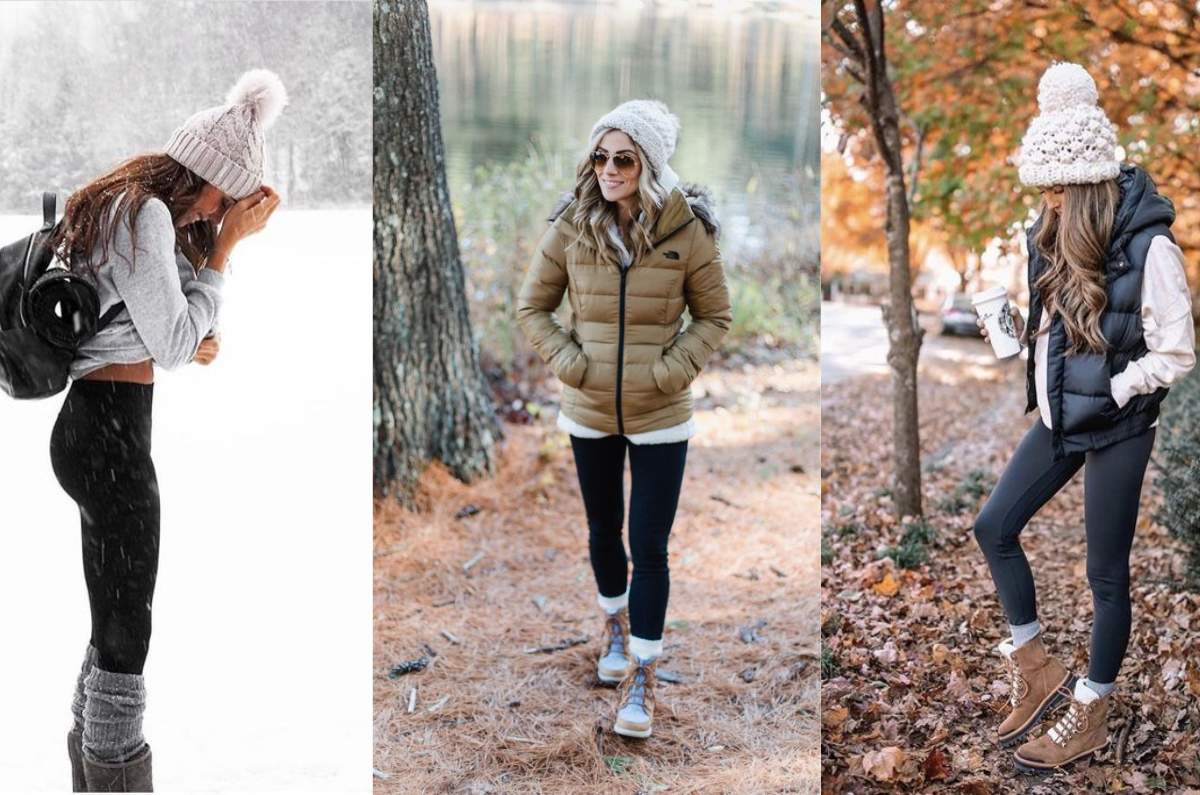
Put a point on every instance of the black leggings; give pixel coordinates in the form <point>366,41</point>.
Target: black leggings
<point>100,451</point>
<point>1112,486</point>
<point>656,471</point>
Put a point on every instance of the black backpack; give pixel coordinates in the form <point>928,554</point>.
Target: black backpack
<point>46,313</point>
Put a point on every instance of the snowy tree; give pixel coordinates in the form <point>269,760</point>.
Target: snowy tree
<point>86,85</point>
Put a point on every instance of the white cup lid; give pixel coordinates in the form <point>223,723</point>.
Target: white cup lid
<point>990,294</point>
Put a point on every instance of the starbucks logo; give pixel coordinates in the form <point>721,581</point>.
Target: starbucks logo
<point>1005,321</point>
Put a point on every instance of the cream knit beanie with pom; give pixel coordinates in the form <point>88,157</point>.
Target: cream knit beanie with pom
<point>1071,141</point>
<point>224,144</point>
<point>652,127</point>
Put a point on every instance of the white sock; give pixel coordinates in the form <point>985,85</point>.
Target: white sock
<point>1023,633</point>
<point>1087,691</point>
<point>612,604</point>
<point>645,649</point>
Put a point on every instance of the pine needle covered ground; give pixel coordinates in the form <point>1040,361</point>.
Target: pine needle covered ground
<point>488,572</point>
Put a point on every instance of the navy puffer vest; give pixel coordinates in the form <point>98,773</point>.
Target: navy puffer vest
<point>1082,410</point>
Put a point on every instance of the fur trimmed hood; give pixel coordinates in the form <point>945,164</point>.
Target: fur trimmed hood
<point>696,198</point>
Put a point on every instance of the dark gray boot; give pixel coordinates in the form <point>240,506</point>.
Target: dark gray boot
<point>75,754</point>
<point>75,736</point>
<point>131,776</point>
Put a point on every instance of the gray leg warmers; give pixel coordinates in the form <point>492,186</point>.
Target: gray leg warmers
<point>113,716</point>
<point>77,703</point>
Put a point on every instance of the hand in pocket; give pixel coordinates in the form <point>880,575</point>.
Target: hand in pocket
<point>669,375</point>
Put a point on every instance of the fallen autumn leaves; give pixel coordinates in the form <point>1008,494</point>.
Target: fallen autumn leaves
<point>912,690</point>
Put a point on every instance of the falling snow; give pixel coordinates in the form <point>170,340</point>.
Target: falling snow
<point>258,674</point>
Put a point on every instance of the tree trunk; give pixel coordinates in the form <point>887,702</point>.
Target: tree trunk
<point>904,333</point>
<point>864,48</point>
<point>431,400</point>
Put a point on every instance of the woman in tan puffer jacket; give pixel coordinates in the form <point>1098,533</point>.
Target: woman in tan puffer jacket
<point>631,248</point>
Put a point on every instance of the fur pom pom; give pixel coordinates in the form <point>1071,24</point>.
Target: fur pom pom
<point>1066,85</point>
<point>662,108</point>
<point>263,90</point>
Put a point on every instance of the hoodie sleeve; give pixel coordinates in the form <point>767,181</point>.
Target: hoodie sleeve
<point>188,274</point>
<point>1166,326</point>
<point>170,314</point>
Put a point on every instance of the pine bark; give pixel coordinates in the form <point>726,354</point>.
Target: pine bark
<point>431,400</point>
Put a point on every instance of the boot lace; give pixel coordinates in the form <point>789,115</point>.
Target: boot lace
<point>1071,723</point>
<point>638,688</point>
<point>615,629</point>
<point>1018,688</point>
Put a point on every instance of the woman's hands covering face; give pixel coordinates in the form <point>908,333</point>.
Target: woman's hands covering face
<point>248,216</point>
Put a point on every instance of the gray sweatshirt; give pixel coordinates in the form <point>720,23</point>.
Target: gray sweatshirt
<point>169,308</point>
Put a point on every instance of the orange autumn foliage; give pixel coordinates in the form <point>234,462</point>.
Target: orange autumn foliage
<point>966,75</point>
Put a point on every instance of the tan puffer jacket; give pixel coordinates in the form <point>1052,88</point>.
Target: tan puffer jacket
<point>625,365</point>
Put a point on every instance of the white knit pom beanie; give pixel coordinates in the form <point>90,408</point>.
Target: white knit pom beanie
<point>652,127</point>
<point>224,144</point>
<point>1071,141</point>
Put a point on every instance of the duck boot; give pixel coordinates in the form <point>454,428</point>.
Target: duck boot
<point>1036,684</point>
<point>1079,733</point>
<point>615,661</point>
<point>636,713</point>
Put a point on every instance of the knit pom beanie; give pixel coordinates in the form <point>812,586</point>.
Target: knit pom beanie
<point>652,127</point>
<point>1071,141</point>
<point>224,144</point>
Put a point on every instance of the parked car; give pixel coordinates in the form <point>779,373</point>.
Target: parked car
<point>958,316</point>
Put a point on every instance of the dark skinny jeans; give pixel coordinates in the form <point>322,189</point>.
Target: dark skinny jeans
<point>1112,485</point>
<point>656,474</point>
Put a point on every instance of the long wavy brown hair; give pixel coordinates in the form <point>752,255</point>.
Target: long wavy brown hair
<point>1074,244</point>
<point>595,216</point>
<point>93,212</point>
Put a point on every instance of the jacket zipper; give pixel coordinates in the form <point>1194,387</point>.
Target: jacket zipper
<point>621,351</point>
<point>621,327</point>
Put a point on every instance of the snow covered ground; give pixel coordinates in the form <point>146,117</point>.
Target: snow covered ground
<point>259,674</point>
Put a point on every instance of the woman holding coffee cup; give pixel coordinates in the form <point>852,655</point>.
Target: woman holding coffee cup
<point>1110,327</point>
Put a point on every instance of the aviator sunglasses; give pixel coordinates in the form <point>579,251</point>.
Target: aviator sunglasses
<point>625,162</point>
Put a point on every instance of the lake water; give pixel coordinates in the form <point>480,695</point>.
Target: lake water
<point>743,78</point>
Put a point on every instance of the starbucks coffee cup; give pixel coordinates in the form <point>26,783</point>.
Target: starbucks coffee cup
<point>993,309</point>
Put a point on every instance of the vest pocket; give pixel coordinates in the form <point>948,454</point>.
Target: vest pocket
<point>1082,413</point>
<point>1086,390</point>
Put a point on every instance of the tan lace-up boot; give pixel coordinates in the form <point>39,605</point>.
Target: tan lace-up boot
<point>1035,686</point>
<point>636,713</point>
<point>615,660</point>
<point>1080,732</point>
